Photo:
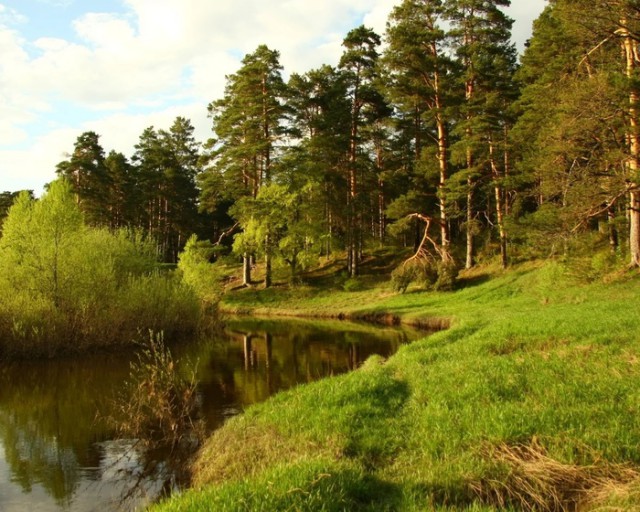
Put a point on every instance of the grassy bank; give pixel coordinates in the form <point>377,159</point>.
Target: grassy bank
<point>530,400</point>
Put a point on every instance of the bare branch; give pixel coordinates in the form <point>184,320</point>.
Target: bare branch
<point>226,233</point>
<point>421,252</point>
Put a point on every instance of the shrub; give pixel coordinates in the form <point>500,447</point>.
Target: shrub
<point>197,271</point>
<point>65,286</point>
<point>402,277</point>
<point>353,284</point>
<point>426,273</point>
<point>447,272</point>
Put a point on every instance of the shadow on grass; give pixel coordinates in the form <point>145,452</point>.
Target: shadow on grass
<point>472,281</point>
<point>312,485</point>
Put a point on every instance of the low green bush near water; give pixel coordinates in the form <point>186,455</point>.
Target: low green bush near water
<point>65,286</point>
<point>530,401</point>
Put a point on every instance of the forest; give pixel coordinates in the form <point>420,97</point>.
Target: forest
<point>433,136</point>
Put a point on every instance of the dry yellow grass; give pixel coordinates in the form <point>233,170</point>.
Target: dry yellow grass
<point>535,482</point>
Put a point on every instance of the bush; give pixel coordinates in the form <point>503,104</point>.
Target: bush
<point>447,272</point>
<point>402,277</point>
<point>353,284</point>
<point>65,286</point>
<point>198,272</point>
<point>426,273</point>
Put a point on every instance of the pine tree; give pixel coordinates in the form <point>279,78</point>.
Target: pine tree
<point>248,123</point>
<point>359,63</point>
<point>420,81</point>
<point>578,122</point>
<point>85,170</point>
<point>320,119</point>
<point>481,34</point>
<point>122,194</point>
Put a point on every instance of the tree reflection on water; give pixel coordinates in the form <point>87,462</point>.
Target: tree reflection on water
<point>60,454</point>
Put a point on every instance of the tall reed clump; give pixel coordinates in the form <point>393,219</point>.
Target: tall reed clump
<point>65,286</point>
<point>159,409</point>
<point>160,404</point>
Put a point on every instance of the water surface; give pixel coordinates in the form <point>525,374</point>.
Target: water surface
<point>58,454</point>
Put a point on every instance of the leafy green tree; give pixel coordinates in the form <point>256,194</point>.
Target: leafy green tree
<point>38,240</point>
<point>6,201</point>
<point>198,272</point>
<point>283,217</point>
<point>67,285</point>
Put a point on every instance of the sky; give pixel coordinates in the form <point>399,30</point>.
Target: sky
<point>117,67</point>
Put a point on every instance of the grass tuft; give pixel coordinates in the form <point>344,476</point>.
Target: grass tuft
<point>528,479</point>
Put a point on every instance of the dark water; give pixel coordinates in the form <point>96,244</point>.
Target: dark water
<point>57,452</point>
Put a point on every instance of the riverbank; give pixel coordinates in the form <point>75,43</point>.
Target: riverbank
<point>530,400</point>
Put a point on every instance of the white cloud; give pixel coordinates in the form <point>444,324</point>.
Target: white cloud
<point>33,167</point>
<point>10,16</point>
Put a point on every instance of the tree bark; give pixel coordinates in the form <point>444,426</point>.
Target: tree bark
<point>499,198</point>
<point>470,222</point>
<point>443,163</point>
<point>267,263</point>
<point>633,161</point>
<point>246,269</point>
<point>613,231</point>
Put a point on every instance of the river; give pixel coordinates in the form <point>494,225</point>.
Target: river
<point>57,452</point>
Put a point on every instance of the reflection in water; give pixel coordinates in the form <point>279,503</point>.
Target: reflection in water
<point>56,454</point>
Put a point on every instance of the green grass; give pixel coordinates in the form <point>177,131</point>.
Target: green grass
<point>530,400</point>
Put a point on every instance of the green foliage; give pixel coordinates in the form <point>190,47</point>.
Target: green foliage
<point>278,221</point>
<point>86,172</point>
<point>198,272</point>
<point>431,274</point>
<point>67,286</point>
<point>447,272</point>
<point>352,284</point>
<point>405,274</point>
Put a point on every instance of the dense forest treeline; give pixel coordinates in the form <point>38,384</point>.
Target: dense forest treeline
<point>432,136</point>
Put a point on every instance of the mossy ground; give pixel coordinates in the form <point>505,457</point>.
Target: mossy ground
<point>530,400</point>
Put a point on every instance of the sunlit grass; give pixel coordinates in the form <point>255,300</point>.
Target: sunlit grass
<point>533,363</point>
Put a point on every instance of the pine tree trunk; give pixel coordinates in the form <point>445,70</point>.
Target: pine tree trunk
<point>443,161</point>
<point>499,198</point>
<point>469,262</point>
<point>613,231</point>
<point>267,263</point>
<point>633,162</point>
<point>469,94</point>
<point>382,227</point>
<point>444,171</point>
<point>246,269</point>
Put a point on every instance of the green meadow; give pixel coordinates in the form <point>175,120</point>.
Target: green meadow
<point>529,400</point>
